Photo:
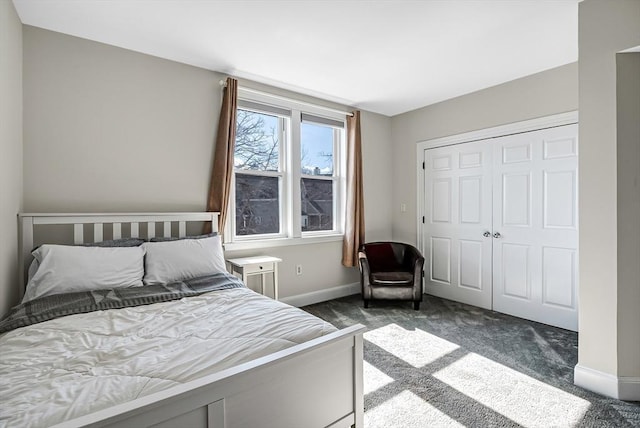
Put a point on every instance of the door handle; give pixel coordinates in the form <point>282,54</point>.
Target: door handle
<point>486,234</point>
<point>497,235</point>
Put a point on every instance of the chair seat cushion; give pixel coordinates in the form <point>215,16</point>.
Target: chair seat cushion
<point>392,278</point>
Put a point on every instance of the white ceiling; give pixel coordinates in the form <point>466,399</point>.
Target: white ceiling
<point>383,56</point>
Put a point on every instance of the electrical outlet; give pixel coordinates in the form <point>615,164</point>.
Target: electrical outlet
<point>403,208</point>
<point>298,269</point>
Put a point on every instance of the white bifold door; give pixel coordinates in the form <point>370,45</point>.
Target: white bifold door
<point>501,224</point>
<point>458,207</point>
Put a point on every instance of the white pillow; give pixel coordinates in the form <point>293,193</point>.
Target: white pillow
<point>65,269</point>
<point>171,261</point>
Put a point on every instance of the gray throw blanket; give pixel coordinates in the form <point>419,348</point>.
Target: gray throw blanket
<point>59,305</point>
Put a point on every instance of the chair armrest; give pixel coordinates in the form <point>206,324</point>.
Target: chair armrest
<point>365,272</point>
<point>418,279</point>
<point>411,257</point>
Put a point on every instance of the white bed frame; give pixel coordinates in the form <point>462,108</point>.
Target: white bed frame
<point>315,384</point>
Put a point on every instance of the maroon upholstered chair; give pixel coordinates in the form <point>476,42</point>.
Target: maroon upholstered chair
<point>392,271</point>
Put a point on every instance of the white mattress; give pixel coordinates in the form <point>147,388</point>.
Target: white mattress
<point>71,366</point>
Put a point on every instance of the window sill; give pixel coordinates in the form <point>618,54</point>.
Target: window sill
<point>280,242</point>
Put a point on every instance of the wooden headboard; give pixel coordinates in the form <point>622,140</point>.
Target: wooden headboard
<point>97,221</point>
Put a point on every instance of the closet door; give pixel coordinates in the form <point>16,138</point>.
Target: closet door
<point>535,226</point>
<point>457,234</point>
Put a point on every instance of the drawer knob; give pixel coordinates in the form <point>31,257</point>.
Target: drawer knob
<point>260,267</point>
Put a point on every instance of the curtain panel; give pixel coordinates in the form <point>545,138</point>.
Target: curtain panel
<point>354,216</point>
<point>222,172</point>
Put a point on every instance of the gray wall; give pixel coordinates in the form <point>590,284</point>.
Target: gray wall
<point>538,95</point>
<point>11,151</point>
<point>605,28</point>
<point>107,129</point>
<point>628,165</point>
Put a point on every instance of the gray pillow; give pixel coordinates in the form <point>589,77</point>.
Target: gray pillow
<point>173,238</point>
<point>124,242</point>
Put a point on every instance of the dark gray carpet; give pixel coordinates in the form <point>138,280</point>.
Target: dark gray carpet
<point>451,364</point>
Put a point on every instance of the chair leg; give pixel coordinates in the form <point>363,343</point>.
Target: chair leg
<point>416,306</point>
<point>366,304</point>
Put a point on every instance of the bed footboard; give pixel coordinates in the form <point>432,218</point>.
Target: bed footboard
<point>315,384</point>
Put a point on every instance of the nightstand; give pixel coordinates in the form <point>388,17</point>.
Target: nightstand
<point>245,267</point>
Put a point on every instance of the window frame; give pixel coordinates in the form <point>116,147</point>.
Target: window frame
<point>290,173</point>
<point>283,194</point>
<point>338,143</point>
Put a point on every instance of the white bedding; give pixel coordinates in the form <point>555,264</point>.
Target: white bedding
<point>71,366</point>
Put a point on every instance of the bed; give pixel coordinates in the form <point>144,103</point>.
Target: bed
<point>215,354</point>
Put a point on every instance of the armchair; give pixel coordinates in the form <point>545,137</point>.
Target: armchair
<point>391,270</point>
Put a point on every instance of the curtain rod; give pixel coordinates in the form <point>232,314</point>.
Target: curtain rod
<point>223,83</point>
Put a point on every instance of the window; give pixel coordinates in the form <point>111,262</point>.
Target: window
<point>287,178</point>
<point>318,179</point>
<point>258,173</point>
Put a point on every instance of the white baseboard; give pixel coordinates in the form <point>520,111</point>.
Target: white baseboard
<point>629,388</point>
<point>322,295</point>
<point>622,388</point>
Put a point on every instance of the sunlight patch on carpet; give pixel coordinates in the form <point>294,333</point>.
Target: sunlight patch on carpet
<point>374,379</point>
<point>522,399</point>
<point>407,410</point>
<point>409,345</point>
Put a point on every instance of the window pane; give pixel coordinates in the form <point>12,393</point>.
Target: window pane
<point>317,204</point>
<point>257,205</point>
<point>257,143</point>
<point>316,149</point>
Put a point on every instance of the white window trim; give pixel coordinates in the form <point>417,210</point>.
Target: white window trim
<point>281,242</point>
<point>290,224</point>
<point>230,227</point>
<point>339,188</point>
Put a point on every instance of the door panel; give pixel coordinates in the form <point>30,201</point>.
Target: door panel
<point>458,207</point>
<point>560,148</point>
<point>470,202</point>
<point>516,199</point>
<point>470,264</point>
<point>441,162</point>
<point>441,211</point>
<point>515,271</point>
<point>472,159</point>
<point>559,199</point>
<point>440,260</point>
<point>516,152</point>
<point>536,217</point>
<point>559,269</point>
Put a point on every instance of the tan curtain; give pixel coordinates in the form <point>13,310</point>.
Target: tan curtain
<point>220,187</point>
<point>354,219</point>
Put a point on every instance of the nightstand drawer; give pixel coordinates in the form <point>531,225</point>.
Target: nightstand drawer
<point>261,267</point>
